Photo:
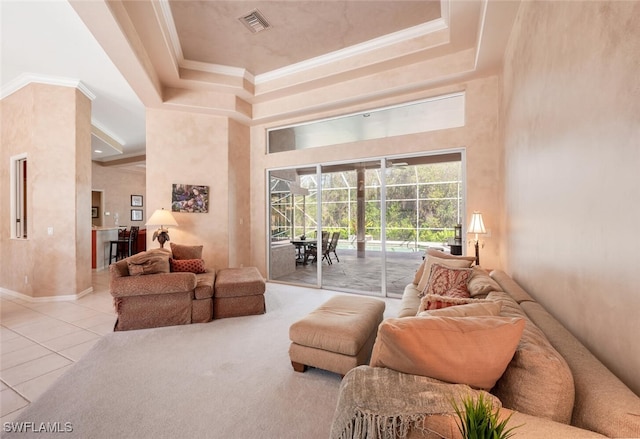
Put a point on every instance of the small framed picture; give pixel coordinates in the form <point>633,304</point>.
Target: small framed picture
<point>136,200</point>
<point>136,214</point>
<point>94,211</point>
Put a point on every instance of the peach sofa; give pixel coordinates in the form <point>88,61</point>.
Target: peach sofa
<point>553,385</point>
<point>162,297</point>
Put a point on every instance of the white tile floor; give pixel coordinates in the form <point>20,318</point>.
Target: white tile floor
<point>39,341</point>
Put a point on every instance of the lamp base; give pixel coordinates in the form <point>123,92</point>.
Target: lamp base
<point>477,254</point>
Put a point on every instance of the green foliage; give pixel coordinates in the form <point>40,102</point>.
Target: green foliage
<point>479,420</point>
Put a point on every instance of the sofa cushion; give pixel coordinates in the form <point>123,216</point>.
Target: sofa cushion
<point>484,308</point>
<point>410,301</point>
<point>187,265</point>
<point>481,283</point>
<point>447,262</point>
<point>186,251</point>
<point>603,403</point>
<point>204,285</point>
<point>464,350</point>
<point>149,262</point>
<point>538,380</point>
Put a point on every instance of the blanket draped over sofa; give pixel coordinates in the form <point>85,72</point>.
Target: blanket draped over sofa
<point>378,403</point>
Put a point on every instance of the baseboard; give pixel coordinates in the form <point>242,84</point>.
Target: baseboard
<point>63,298</point>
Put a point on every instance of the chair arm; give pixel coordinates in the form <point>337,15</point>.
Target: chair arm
<point>146,284</point>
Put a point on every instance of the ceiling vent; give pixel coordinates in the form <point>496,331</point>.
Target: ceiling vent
<point>255,21</point>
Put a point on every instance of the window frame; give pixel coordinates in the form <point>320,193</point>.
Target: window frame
<point>18,196</point>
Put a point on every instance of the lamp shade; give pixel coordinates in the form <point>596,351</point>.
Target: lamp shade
<point>161,218</point>
<point>476,225</point>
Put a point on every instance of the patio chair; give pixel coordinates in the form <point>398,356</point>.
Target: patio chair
<point>313,250</point>
<point>332,246</point>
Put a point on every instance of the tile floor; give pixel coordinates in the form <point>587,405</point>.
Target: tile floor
<point>39,341</point>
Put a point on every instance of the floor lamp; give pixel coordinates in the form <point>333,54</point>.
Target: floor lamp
<point>477,226</point>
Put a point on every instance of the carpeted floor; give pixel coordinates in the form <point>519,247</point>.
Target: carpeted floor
<point>229,379</point>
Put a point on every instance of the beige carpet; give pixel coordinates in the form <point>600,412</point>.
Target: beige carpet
<point>229,379</point>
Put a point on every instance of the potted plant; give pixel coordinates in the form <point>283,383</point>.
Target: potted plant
<point>479,420</point>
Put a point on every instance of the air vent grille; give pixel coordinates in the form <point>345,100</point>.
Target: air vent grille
<point>255,21</point>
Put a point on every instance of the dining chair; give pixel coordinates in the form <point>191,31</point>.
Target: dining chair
<point>333,245</point>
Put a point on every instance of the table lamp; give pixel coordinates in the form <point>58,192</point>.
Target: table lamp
<point>162,218</point>
<point>477,226</point>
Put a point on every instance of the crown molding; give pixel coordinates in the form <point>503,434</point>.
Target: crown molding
<point>420,30</point>
<point>355,50</point>
<point>106,136</point>
<point>29,78</point>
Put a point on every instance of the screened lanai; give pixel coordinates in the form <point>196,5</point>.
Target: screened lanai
<point>385,213</point>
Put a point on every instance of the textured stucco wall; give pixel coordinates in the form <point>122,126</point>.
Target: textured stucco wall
<point>571,106</point>
<point>188,148</point>
<point>52,126</point>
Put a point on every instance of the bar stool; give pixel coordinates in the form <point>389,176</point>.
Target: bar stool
<point>124,244</point>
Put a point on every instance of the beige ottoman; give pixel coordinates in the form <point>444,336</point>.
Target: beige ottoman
<point>238,292</point>
<point>337,336</point>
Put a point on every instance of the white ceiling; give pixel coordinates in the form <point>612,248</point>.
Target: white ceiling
<point>196,55</point>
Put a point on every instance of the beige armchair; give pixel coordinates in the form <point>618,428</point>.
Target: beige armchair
<point>156,296</point>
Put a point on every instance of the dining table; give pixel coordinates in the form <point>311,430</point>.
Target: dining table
<point>302,245</point>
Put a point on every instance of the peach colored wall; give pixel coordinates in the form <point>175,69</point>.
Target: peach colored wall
<point>572,180</point>
<point>118,185</point>
<point>239,207</point>
<point>479,136</point>
<point>191,149</point>
<point>52,125</point>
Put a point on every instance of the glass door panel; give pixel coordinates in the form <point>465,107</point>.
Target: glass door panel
<point>424,200</point>
<point>292,225</point>
<point>351,260</point>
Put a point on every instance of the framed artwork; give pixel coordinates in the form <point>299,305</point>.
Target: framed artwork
<point>190,198</point>
<point>94,211</point>
<point>136,200</point>
<point>136,214</point>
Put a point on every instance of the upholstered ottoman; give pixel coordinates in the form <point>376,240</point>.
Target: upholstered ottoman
<point>238,292</point>
<point>337,336</point>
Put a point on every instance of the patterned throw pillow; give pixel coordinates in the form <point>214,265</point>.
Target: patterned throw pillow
<point>187,265</point>
<point>443,280</point>
<point>433,301</point>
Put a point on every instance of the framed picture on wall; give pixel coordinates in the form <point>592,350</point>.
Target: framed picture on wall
<point>136,200</point>
<point>94,211</point>
<point>136,214</point>
<point>190,198</point>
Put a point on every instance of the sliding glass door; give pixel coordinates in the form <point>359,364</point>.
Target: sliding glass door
<point>362,226</point>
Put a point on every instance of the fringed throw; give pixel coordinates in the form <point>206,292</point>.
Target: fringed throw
<point>379,403</point>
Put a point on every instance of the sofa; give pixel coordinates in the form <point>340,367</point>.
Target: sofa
<point>549,382</point>
<point>162,288</point>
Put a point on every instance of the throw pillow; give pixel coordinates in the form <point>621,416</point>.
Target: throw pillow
<point>187,265</point>
<point>150,262</point>
<point>447,262</point>
<point>433,301</point>
<point>440,255</point>
<point>462,350</point>
<point>445,281</point>
<point>186,251</point>
<point>491,308</point>
<point>481,283</point>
